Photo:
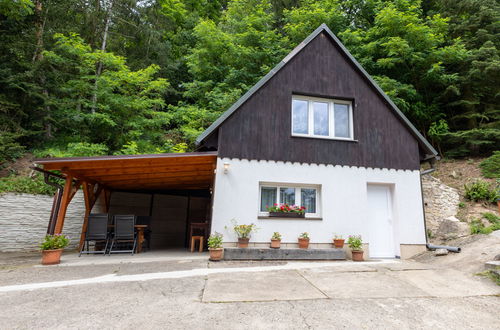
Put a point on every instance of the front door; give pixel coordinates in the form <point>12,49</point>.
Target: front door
<point>381,240</point>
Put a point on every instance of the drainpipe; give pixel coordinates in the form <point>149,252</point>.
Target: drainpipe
<point>430,246</point>
<point>56,204</point>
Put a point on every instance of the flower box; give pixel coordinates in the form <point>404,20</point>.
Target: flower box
<point>287,215</point>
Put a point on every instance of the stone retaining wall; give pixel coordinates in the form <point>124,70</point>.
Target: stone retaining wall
<point>24,219</point>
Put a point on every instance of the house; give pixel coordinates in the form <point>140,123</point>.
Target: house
<point>316,131</point>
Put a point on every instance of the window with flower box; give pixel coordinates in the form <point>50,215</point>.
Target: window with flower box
<point>300,195</point>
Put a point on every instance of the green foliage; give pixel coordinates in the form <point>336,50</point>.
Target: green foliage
<point>171,67</point>
<point>481,191</point>
<point>25,185</point>
<point>477,226</point>
<point>490,167</point>
<point>215,241</point>
<point>10,149</point>
<point>243,231</point>
<point>77,149</point>
<point>304,235</point>
<point>355,242</point>
<point>461,205</point>
<point>276,236</point>
<point>54,242</point>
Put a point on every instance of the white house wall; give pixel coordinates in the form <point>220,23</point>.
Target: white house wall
<point>343,200</point>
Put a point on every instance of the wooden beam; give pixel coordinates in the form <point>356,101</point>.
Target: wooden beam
<point>153,176</point>
<point>104,171</point>
<point>90,195</point>
<point>68,193</point>
<point>127,162</point>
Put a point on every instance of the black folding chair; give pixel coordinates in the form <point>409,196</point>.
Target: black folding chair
<point>97,232</point>
<point>124,233</point>
<point>145,220</point>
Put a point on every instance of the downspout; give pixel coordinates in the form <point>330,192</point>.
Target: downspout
<point>428,245</point>
<point>56,204</point>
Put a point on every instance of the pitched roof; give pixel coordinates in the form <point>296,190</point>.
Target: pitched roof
<point>322,28</point>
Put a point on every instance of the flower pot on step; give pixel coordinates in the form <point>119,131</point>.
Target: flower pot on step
<point>243,242</point>
<point>275,243</point>
<point>303,243</point>
<point>357,255</point>
<point>338,243</point>
<point>215,254</point>
<point>51,257</point>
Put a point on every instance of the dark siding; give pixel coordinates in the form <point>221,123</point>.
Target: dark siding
<point>261,127</point>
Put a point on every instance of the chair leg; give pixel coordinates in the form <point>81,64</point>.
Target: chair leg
<point>106,246</point>
<point>133,247</point>
<point>201,245</point>
<point>111,248</point>
<point>81,249</point>
<point>192,244</point>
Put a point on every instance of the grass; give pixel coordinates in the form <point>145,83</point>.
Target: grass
<point>492,275</point>
<point>477,226</point>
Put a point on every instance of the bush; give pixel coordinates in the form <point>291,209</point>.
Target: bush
<point>76,149</point>
<point>26,185</point>
<point>481,191</point>
<point>9,148</point>
<point>490,167</point>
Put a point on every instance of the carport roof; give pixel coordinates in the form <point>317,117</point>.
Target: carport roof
<point>140,172</point>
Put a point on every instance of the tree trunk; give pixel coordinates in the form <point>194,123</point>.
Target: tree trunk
<point>103,48</point>
<point>40,20</point>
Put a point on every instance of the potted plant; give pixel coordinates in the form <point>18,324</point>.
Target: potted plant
<point>286,211</point>
<point>338,241</point>
<point>243,232</point>
<point>276,240</point>
<point>215,246</point>
<point>304,240</point>
<point>52,247</point>
<point>356,244</point>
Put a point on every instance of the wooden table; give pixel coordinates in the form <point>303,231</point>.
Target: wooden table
<point>140,236</point>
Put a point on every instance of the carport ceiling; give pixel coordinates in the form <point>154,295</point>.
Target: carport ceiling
<point>140,172</point>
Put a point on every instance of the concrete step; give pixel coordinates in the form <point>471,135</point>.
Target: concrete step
<point>283,254</point>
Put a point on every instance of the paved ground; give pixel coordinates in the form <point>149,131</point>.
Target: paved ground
<point>181,291</point>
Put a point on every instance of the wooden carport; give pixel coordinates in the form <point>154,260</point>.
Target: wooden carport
<point>100,176</point>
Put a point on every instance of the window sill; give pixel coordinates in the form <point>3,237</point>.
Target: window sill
<point>266,217</point>
<point>323,138</point>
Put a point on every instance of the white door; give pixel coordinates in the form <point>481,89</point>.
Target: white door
<point>381,240</point>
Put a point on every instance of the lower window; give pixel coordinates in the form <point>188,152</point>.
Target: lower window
<point>306,196</point>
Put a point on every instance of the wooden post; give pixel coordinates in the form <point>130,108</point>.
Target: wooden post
<point>66,198</point>
<point>90,194</point>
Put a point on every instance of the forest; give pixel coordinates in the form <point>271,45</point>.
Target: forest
<point>108,77</point>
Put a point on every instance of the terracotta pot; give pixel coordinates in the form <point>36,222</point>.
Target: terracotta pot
<point>275,243</point>
<point>51,257</point>
<point>338,243</point>
<point>243,242</point>
<point>215,254</point>
<point>357,255</point>
<point>303,243</point>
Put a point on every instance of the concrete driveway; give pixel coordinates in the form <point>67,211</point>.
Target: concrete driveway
<point>182,291</point>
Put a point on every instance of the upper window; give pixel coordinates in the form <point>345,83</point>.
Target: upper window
<point>322,118</point>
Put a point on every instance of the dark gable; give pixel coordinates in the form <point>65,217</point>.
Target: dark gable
<point>261,127</point>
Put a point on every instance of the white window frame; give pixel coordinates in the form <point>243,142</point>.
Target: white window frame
<point>331,118</point>
<point>298,196</point>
